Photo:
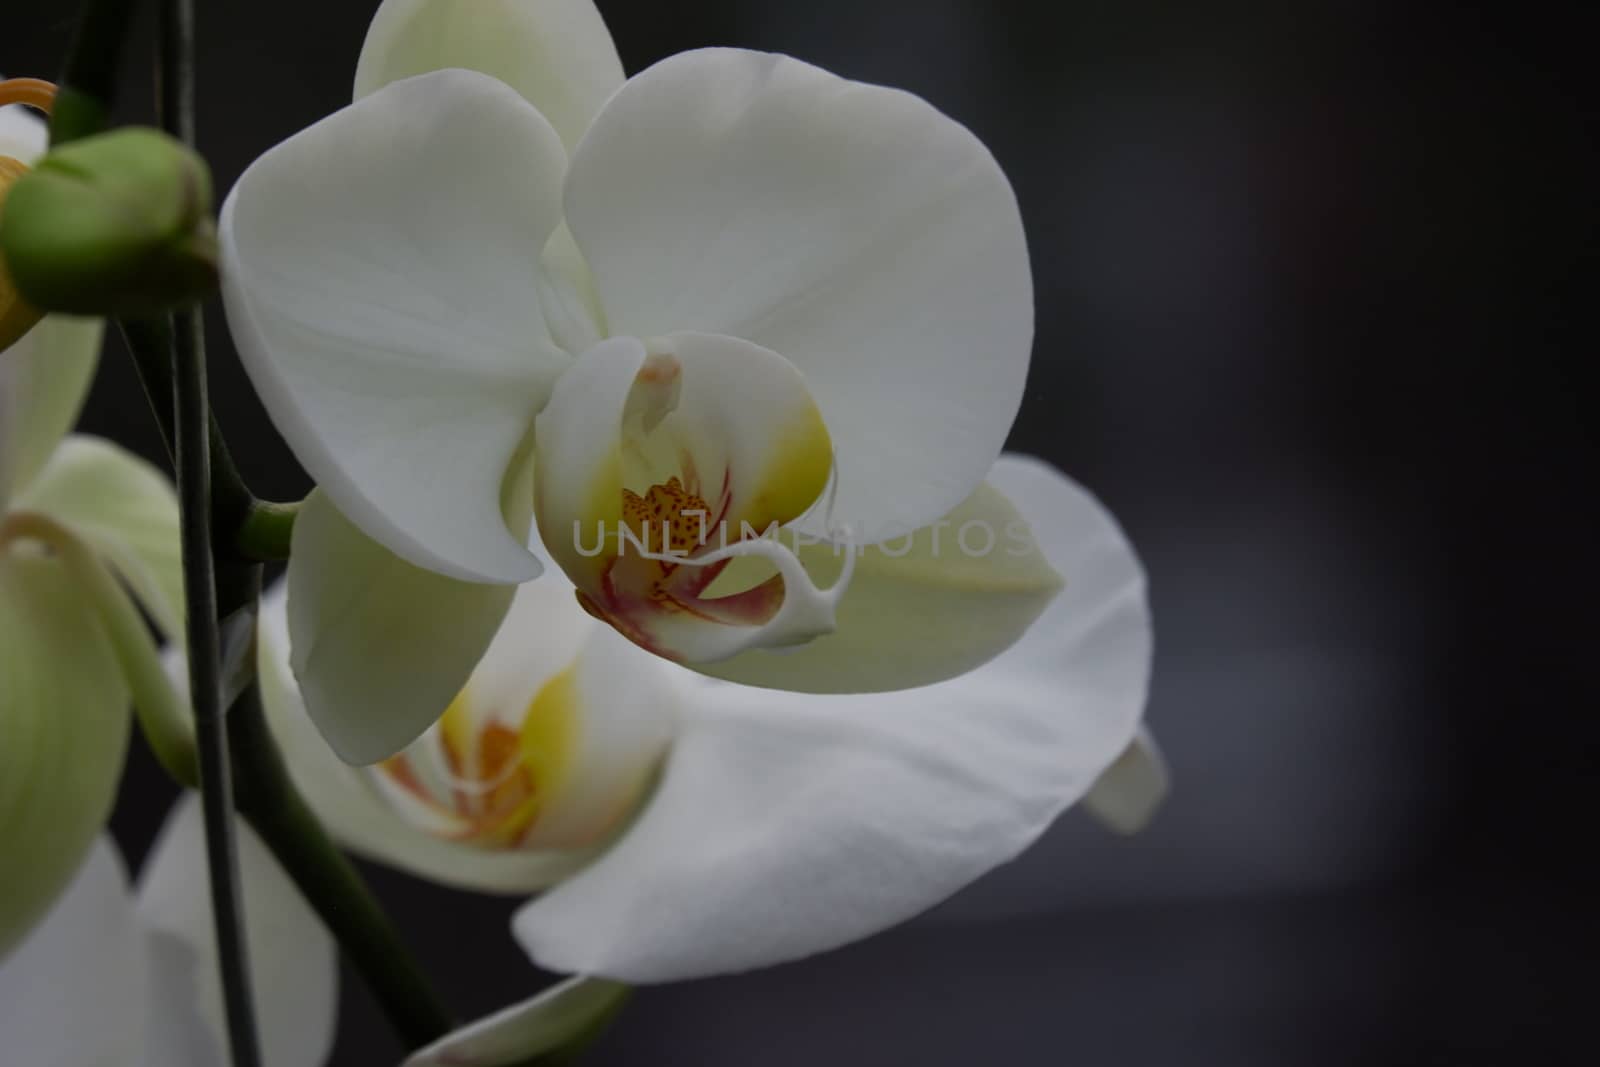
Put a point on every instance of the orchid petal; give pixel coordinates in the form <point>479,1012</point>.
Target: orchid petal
<point>123,508</point>
<point>379,285</point>
<point>73,994</point>
<point>557,53</point>
<point>380,647</point>
<point>43,380</point>
<point>1130,791</point>
<point>555,1019</point>
<point>929,606</point>
<point>787,824</point>
<point>64,718</point>
<point>292,963</point>
<point>871,240</point>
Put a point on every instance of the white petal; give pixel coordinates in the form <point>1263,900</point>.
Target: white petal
<point>1129,792</point>
<point>23,134</point>
<point>921,608</point>
<point>524,1031</point>
<point>868,238</point>
<point>557,53</point>
<point>628,714</point>
<point>126,510</point>
<point>43,380</point>
<point>292,963</point>
<point>380,647</point>
<point>74,993</point>
<point>379,273</point>
<point>788,824</point>
<point>63,732</point>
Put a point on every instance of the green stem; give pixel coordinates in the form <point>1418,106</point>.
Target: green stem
<point>191,431</point>
<point>238,517</point>
<point>205,687</point>
<point>270,803</point>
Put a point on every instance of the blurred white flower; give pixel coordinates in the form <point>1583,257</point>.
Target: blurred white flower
<point>113,978</point>
<point>659,316</point>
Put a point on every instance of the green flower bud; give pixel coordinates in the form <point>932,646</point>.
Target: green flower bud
<point>117,224</point>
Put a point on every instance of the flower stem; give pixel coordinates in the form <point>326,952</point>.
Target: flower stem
<point>270,803</point>
<point>242,525</point>
<point>205,686</point>
<point>191,416</point>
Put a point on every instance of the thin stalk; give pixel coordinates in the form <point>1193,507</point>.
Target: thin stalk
<point>191,410</point>
<point>205,687</point>
<point>270,803</point>
<point>243,526</point>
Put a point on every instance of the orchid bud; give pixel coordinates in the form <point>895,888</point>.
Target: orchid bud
<point>118,224</point>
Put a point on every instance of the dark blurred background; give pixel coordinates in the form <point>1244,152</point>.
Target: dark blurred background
<point>1307,295</point>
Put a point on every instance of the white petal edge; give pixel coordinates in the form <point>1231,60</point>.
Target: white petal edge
<point>1131,791</point>
<point>73,994</point>
<point>380,647</point>
<point>787,824</point>
<point>378,277</point>
<point>126,510</point>
<point>544,1023</point>
<point>557,53</point>
<point>871,240</point>
<point>292,962</point>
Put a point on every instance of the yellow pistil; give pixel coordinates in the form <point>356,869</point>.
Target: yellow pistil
<point>668,508</point>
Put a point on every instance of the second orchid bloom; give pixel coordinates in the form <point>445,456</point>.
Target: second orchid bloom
<point>736,345</point>
<point>664,319</point>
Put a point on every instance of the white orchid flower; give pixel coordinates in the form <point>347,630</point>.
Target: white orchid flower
<point>74,511</point>
<point>770,825</point>
<point>659,316</point>
<point>113,978</point>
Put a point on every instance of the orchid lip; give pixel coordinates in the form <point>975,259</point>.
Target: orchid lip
<point>694,449</point>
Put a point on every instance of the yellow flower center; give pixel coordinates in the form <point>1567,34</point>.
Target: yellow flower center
<point>668,518</point>
<point>478,779</point>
